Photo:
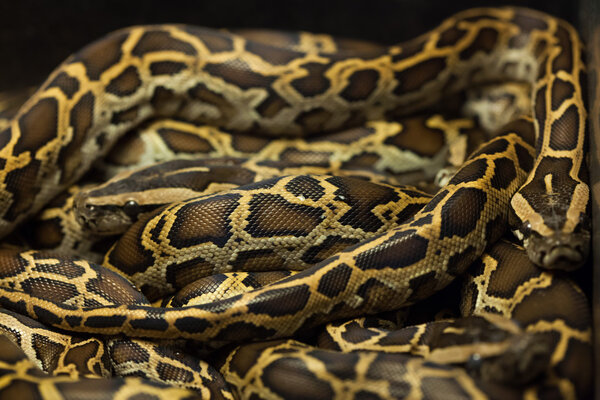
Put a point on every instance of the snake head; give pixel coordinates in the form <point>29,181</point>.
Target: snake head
<point>493,348</point>
<point>526,357</point>
<point>104,219</point>
<point>555,228</point>
<point>559,251</point>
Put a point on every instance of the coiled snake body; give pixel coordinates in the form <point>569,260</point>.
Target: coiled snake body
<point>209,77</point>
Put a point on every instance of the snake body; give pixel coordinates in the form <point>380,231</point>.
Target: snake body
<point>352,285</point>
<point>216,78</point>
<point>336,362</point>
<point>238,82</point>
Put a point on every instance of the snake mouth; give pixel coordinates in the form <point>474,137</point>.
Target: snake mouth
<point>565,252</point>
<point>562,257</point>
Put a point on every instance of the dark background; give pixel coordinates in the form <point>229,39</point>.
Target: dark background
<point>35,36</point>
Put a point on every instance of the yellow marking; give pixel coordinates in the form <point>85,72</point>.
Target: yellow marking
<point>548,183</point>
<point>526,213</point>
<point>578,204</point>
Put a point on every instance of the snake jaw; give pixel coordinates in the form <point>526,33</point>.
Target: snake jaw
<point>560,251</point>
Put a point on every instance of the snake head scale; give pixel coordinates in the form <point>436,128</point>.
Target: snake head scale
<point>104,219</point>
<point>554,229</point>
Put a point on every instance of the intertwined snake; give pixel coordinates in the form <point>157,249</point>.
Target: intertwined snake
<point>239,84</point>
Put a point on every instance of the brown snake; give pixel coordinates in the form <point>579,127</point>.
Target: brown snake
<point>229,81</point>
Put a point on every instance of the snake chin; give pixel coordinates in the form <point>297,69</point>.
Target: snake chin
<point>565,252</point>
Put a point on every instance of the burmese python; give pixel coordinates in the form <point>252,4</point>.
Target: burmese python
<point>130,76</point>
<point>225,80</point>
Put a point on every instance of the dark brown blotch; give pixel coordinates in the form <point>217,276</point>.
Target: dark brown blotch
<point>272,54</point>
<point>171,373</point>
<point>260,260</point>
<point>66,83</point>
<point>495,228</point>
<point>271,215</point>
<point>496,146</point>
<point>417,137</point>
<point>128,255</point>
<point>204,221</point>
<point>485,42</point>
<point>564,59</point>
<point>243,331</point>
<point>102,54</point>
<point>165,101</point>
<point>363,160</point>
<point>414,78</point>
<point>451,387</point>
<point>49,289</point>
<point>504,173</point>
<point>125,350</point>
<point>126,83</point>
<point>166,67</point>
<point>305,186</point>
<point>81,120</point>
<point>128,116</point>
<point>272,104</point>
<point>158,41</point>
<point>409,49</point>
<point>561,91</point>
<point>185,142</point>
<point>278,302</point>
<point>362,197</point>
<point>450,36</point>
<point>422,286</point>
<point>47,351</point>
<point>528,23</point>
<point>114,288</point>
<point>66,267</point>
<point>433,203</point>
<point>22,183</point>
<point>314,120</point>
<point>361,84</point>
<point>214,41</point>
<point>328,247</point>
<point>564,132</point>
<point>109,321</point>
<point>472,171</point>
<point>462,212</point>
<point>80,355</point>
<point>204,94</point>
<point>38,126</point>
<point>401,250</point>
<point>239,73</point>
<point>354,333</point>
<point>290,378</point>
<point>315,82</point>
<point>334,281</point>
<point>248,143</point>
<point>522,127</point>
<point>460,261</point>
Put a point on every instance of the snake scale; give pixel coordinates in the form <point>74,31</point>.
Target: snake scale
<point>359,247</point>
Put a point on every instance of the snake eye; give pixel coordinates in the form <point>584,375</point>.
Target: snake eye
<point>131,208</point>
<point>526,229</point>
<point>90,208</point>
<point>474,362</point>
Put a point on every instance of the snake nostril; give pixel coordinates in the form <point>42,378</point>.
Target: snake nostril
<point>541,255</point>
